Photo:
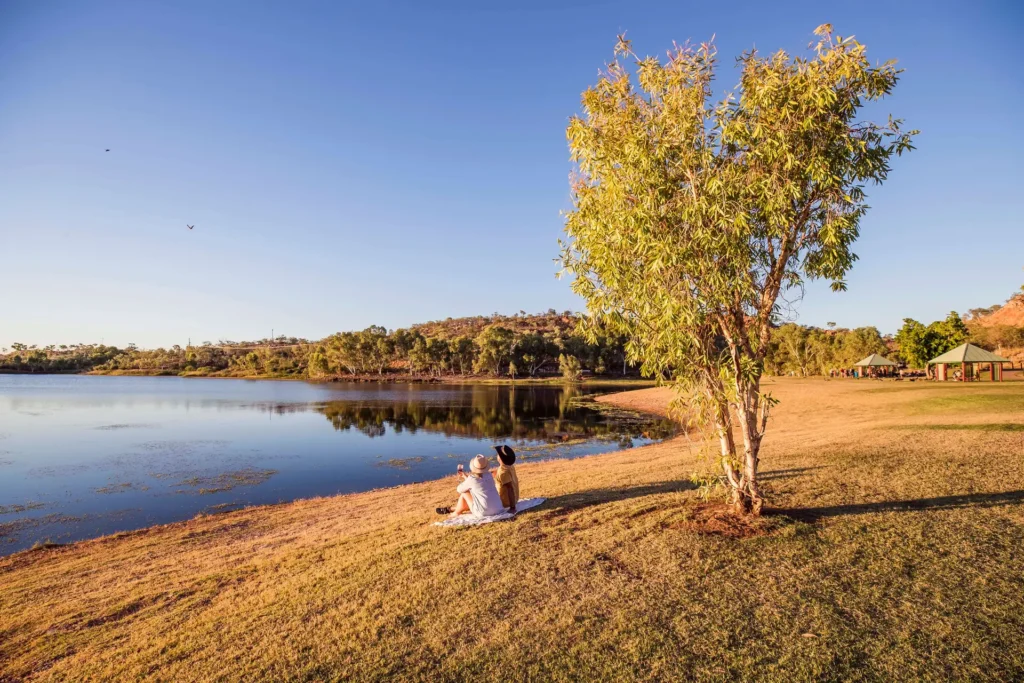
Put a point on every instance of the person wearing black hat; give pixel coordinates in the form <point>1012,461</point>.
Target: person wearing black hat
<point>506,478</point>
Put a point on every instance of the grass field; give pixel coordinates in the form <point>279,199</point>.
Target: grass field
<point>894,551</point>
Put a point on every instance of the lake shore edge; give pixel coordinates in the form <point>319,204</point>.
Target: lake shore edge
<point>620,400</point>
<point>392,378</point>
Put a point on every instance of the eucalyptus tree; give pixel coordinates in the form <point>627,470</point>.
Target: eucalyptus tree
<point>691,217</point>
<point>496,345</point>
<point>534,351</point>
<point>463,352</point>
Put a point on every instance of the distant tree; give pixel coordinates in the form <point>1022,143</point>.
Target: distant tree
<point>317,366</point>
<point>381,352</point>
<point>691,217</point>
<point>253,362</point>
<point>948,334</point>
<point>860,343</point>
<point>795,341</point>
<point>534,351</point>
<point>404,340</point>
<point>610,353</point>
<point>419,355</point>
<point>343,351</point>
<point>570,368</point>
<point>976,313</point>
<point>463,351</point>
<point>913,344</point>
<point>495,344</point>
<point>918,344</point>
<point>438,355</point>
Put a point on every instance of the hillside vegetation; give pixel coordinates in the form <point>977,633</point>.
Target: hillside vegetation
<point>1000,327</point>
<point>890,551</point>
<point>523,345</point>
<point>550,323</point>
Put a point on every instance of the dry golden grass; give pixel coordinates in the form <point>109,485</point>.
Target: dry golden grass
<point>898,557</point>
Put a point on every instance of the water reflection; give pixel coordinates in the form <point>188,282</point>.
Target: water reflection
<point>488,412</point>
<point>83,456</point>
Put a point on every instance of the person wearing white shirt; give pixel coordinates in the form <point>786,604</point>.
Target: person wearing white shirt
<point>478,495</point>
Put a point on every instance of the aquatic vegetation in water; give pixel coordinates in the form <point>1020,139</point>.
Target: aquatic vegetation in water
<point>121,488</point>
<point>545,449</point>
<point>225,481</point>
<point>137,425</point>
<point>9,530</point>
<point>401,463</point>
<point>12,509</point>
<point>221,507</point>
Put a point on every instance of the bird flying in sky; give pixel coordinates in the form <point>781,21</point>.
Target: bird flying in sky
<point>107,150</point>
<point>189,226</point>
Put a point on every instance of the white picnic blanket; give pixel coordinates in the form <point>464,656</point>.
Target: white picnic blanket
<point>471,520</point>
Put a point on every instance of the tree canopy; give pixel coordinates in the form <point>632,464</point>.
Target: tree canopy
<point>918,344</point>
<point>690,216</point>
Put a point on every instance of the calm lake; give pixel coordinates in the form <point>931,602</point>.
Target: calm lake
<point>84,456</point>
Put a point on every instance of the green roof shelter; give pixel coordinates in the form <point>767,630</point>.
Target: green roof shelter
<point>874,364</point>
<point>969,356</point>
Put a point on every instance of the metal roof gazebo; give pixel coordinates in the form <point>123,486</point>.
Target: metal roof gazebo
<point>968,355</point>
<point>873,362</point>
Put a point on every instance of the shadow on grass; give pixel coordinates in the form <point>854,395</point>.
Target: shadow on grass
<point>973,500</point>
<point>773,475</point>
<point>575,501</point>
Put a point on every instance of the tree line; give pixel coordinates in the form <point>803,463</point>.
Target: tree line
<point>803,351</point>
<point>493,346</point>
<point>514,347</point>
<point>63,358</point>
<point>496,351</point>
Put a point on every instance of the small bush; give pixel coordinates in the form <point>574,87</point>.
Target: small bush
<point>570,367</point>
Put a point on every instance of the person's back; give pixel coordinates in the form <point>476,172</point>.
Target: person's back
<point>505,477</point>
<point>485,499</point>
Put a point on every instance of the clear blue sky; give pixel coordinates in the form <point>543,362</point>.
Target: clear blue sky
<point>397,162</point>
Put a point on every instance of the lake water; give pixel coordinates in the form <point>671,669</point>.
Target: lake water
<point>84,456</point>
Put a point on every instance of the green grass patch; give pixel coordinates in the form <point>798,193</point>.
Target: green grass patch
<point>968,400</point>
<point>983,427</point>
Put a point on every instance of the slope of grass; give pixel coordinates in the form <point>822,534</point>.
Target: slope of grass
<point>892,554</point>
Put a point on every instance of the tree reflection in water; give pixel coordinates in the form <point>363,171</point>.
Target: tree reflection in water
<point>536,413</point>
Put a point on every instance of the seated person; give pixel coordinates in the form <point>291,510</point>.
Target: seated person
<point>506,478</point>
<point>478,495</point>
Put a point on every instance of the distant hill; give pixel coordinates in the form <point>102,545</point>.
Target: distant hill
<point>1010,314</point>
<point>1000,328</point>
<point>550,323</point>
